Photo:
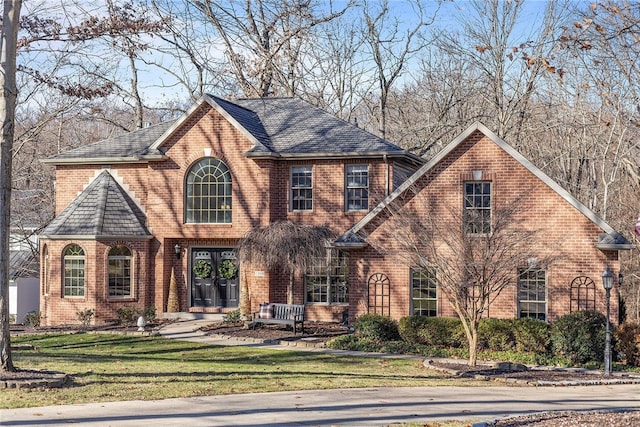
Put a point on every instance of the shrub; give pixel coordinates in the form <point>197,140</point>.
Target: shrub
<point>85,316</point>
<point>127,315</point>
<point>579,336</point>
<point>627,345</point>
<point>32,319</point>
<point>232,317</point>
<point>410,326</point>
<point>532,335</point>
<point>343,342</point>
<point>496,334</point>
<point>376,327</point>
<point>149,313</point>
<point>353,343</point>
<point>442,332</point>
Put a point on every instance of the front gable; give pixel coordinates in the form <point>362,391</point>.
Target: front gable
<point>479,154</point>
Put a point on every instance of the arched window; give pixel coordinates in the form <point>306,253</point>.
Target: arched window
<point>208,192</point>
<point>119,271</point>
<point>73,281</point>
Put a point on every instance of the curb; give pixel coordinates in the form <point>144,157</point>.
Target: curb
<point>623,378</point>
<point>56,380</point>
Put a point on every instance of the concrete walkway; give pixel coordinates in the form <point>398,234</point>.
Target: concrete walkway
<point>343,407</point>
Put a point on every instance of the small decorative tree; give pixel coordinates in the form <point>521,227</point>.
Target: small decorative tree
<point>173,302</point>
<point>284,245</point>
<point>472,269</point>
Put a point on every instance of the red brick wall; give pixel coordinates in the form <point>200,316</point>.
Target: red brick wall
<point>260,196</point>
<point>58,309</point>
<point>566,235</point>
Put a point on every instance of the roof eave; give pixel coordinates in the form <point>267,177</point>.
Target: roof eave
<point>105,160</point>
<point>350,245</point>
<point>615,246</point>
<point>94,237</point>
<point>329,156</point>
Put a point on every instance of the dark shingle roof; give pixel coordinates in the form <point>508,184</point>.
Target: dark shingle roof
<point>129,145</point>
<point>104,210</point>
<point>278,126</point>
<point>297,127</point>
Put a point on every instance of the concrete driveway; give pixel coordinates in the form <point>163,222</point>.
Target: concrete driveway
<point>344,407</point>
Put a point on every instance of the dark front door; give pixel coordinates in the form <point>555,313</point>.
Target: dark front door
<point>214,277</point>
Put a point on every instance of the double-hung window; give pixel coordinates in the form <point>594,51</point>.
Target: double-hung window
<point>301,188</point>
<point>357,187</point>
<point>532,293</point>
<point>327,280</point>
<point>120,271</point>
<point>477,207</point>
<point>424,292</point>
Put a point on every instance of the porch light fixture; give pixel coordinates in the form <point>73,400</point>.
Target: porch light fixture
<point>177,250</point>
<point>607,283</point>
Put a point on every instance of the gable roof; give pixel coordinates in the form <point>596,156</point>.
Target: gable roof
<point>609,240</point>
<point>277,127</point>
<point>102,210</point>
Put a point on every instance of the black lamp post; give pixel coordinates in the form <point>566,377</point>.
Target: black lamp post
<point>607,283</point>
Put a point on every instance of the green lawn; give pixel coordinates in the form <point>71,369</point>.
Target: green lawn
<point>120,367</point>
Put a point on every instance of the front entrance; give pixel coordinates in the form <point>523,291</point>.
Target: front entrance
<point>214,277</point>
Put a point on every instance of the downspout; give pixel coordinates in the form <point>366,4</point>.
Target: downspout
<point>386,162</point>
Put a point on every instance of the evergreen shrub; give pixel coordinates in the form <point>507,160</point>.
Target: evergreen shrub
<point>496,334</point>
<point>579,336</point>
<point>376,327</point>
<point>532,336</point>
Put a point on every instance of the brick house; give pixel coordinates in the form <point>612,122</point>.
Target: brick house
<point>175,199</point>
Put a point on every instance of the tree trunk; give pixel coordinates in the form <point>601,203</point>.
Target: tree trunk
<point>290,289</point>
<point>473,347</point>
<point>8,43</point>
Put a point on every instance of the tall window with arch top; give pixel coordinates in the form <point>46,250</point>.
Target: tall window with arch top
<point>119,271</point>
<point>208,192</point>
<point>73,281</point>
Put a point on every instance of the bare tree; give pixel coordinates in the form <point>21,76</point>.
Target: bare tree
<point>8,42</point>
<point>284,245</point>
<point>512,62</point>
<point>473,260</point>
<point>391,47</point>
<point>262,39</point>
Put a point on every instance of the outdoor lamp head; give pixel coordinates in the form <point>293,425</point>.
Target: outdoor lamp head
<point>178,250</point>
<point>607,278</point>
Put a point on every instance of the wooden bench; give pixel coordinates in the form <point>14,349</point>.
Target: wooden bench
<point>283,314</point>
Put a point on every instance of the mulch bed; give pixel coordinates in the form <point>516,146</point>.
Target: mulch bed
<point>313,331</point>
<point>537,375</point>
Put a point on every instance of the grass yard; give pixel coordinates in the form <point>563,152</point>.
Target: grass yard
<point>120,367</point>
